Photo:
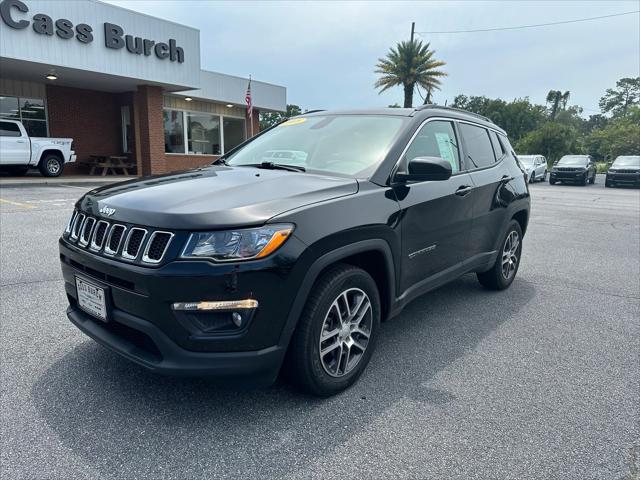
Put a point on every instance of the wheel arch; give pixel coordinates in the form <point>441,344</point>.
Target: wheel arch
<point>372,255</point>
<point>50,151</point>
<point>522,217</point>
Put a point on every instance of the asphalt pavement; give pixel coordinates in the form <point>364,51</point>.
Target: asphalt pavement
<point>539,381</point>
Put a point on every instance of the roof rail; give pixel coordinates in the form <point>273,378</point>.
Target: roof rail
<point>455,109</point>
<point>314,111</point>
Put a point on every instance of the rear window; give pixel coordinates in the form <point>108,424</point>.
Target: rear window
<point>8,129</point>
<point>480,151</point>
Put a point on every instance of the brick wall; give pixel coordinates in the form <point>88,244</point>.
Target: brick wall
<point>184,162</point>
<point>149,130</point>
<point>90,117</point>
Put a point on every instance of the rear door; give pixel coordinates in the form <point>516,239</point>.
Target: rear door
<point>484,154</point>
<point>14,148</point>
<point>436,215</point>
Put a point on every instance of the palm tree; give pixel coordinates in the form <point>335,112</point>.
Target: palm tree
<point>408,64</point>
<point>558,100</point>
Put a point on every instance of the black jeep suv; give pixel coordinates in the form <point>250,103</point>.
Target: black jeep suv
<point>291,249</point>
<point>575,169</point>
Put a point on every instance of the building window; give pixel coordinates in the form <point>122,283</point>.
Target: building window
<point>30,111</point>
<point>204,134</point>
<point>233,132</point>
<point>173,131</point>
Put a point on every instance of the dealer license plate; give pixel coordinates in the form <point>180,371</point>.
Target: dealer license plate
<point>91,299</point>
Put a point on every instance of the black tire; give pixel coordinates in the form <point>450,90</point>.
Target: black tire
<point>584,181</point>
<point>552,182</point>
<point>304,364</point>
<point>592,180</point>
<point>51,165</point>
<point>544,176</point>
<point>608,184</point>
<point>495,279</point>
<point>532,178</point>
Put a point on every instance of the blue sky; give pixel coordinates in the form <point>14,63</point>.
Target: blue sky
<point>325,52</point>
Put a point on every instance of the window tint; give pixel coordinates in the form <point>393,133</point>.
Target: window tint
<point>233,132</point>
<point>498,149</point>
<point>173,131</point>
<point>435,139</point>
<point>479,149</point>
<point>8,129</point>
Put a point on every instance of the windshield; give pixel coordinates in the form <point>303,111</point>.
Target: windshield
<point>526,159</point>
<point>351,145</point>
<point>573,160</point>
<point>627,161</point>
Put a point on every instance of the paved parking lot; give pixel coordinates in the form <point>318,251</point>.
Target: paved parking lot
<point>540,381</point>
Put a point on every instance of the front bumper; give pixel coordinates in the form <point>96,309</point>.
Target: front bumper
<point>568,176</point>
<point>72,157</point>
<point>144,328</point>
<point>631,179</point>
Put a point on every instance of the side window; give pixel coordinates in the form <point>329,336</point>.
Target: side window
<point>498,149</point>
<point>479,149</point>
<point>8,129</point>
<point>435,139</point>
<point>506,146</point>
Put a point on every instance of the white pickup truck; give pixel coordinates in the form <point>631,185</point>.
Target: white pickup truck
<point>19,152</point>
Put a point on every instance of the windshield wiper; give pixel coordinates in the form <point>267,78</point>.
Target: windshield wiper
<point>281,166</point>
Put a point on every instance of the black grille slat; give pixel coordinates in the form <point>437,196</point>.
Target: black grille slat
<point>99,234</point>
<point>157,246</point>
<point>134,242</point>
<point>87,229</point>
<point>77,225</point>
<point>115,238</point>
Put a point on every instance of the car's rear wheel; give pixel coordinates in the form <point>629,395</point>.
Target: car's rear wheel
<point>51,165</point>
<point>336,333</point>
<point>506,266</point>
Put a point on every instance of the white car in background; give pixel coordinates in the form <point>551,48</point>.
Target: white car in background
<point>535,166</point>
<point>19,152</point>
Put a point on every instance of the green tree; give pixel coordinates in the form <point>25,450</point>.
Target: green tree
<point>268,119</point>
<point>552,140</point>
<point>620,137</point>
<point>558,101</point>
<point>516,118</point>
<point>618,100</point>
<point>409,64</point>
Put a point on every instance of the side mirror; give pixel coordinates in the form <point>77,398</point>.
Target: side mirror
<point>422,169</point>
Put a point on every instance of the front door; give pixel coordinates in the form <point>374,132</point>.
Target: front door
<point>436,215</point>
<point>14,148</point>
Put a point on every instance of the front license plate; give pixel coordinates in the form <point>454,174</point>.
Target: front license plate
<point>91,299</point>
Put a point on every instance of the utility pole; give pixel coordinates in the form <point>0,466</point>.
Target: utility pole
<point>413,27</point>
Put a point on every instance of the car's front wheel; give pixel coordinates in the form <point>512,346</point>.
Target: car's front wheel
<point>506,266</point>
<point>544,176</point>
<point>336,333</point>
<point>592,180</point>
<point>552,181</point>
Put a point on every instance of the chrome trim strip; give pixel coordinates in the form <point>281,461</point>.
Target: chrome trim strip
<point>94,246</point>
<point>79,220</point>
<point>145,258</point>
<point>67,230</point>
<point>124,253</point>
<point>107,250</point>
<point>82,242</point>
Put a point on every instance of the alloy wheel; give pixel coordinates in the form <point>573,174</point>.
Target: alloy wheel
<point>345,332</point>
<point>53,166</point>
<point>510,255</point>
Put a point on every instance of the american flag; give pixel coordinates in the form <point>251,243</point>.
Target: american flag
<point>247,99</point>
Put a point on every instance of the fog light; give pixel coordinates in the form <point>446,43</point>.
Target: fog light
<point>248,303</point>
<point>237,319</point>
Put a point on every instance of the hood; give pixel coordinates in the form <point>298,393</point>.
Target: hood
<point>213,197</point>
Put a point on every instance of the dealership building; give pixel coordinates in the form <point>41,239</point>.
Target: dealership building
<point>121,83</point>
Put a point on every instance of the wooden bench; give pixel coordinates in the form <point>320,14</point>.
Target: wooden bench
<point>110,163</point>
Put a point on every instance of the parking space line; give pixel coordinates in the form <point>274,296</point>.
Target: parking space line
<point>18,204</point>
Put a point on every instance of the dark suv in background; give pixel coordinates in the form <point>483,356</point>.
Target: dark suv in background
<point>249,265</point>
<point>624,171</point>
<point>579,169</point>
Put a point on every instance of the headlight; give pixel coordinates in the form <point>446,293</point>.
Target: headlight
<point>234,245</point>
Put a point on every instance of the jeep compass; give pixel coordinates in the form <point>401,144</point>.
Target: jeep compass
<point>288,252</point>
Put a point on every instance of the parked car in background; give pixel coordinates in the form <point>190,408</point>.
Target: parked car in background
<point>230,269</point>
<point>575,169</point>
<point>535,166</point>
<point>19,152</point>
<point>625,170</point>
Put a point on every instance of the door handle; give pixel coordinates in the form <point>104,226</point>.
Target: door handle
<point>506,179</point>
<point>21,141</point>
<point>463,190</point>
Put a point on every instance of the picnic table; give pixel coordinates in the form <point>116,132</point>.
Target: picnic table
<point>110,163</point>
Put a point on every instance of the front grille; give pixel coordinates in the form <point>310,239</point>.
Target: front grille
<point>626,171</point>
<point>156,247</point>
<point>114,239</point>
<point>567,169</point>
<point>99,235</point>
<point>87,229</point>
<point>133,243</point>
<point>118,241</point>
